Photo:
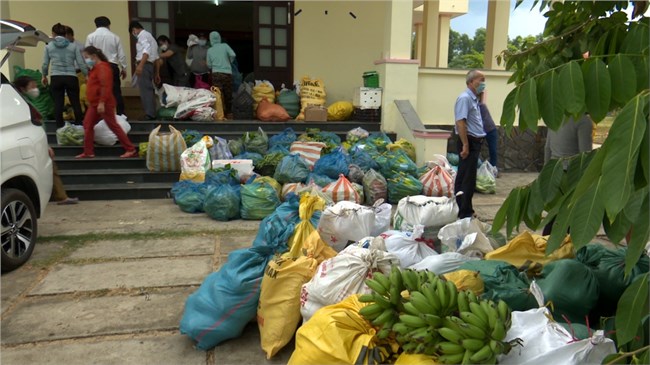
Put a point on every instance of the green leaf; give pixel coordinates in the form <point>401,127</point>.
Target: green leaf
<point>577,166</point>
<point>549,179</point>
<point>641,70</point>
<point>622,146</point>
<point>587,215</point>
<point>528,107</point>
<point>508,114</point>
<point>591,173</point>
<point>560,226</point>
<point>617,229</point>
<point>550,101</point>
<point>636,40</point>
<point>514,211</point>
<point>643,159</point>
<point>623,76</point>
<point>535,206</point>
<point>632,307</point>
<point>598,90</point>
<point>500,217</point>
<point>639,236</point>
<point>572,87</point>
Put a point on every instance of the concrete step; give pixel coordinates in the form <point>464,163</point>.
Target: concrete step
<point>99,162</point>
<point>119,191</point>
<point>119,176</point>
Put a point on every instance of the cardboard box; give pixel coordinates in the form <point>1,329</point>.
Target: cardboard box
<point>315,114</point>
<point>243,167</point>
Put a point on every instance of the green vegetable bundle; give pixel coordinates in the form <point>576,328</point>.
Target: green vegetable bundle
<point>401,186</point>
<point>267,165</point>
<point>70,135</point>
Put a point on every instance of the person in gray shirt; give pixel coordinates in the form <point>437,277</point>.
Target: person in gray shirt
<point>175,61</point>
<point>197,56</point>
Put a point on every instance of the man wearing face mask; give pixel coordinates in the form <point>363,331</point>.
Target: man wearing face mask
<point>172,56</point>
<point>146,55</point>
<point>469,128</point>
<point>59,61</point>
<point>197,55</point>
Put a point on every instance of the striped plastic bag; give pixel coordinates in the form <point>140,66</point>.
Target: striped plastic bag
<point>309,151</point>
<point>341,190</point>
<point>437,182</point>
<point>164,150</point>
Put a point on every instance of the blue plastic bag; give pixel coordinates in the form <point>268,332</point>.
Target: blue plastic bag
<point>180,186</point>
<point>363,159</point>
<point>258,200</point>
<point>227,300</point>
<point>453,158</point>
<point>276,229</point>
<point>191,197</point>
<point>222,202</point>
<point>222,176</point>
<point>291,169</point>
<point>397,162</point>
<point>332,165</point>
<point>278,149</point>
<point>220,149</point>
<point>191,136</point>
<point>402,186</point>
<point>320,180</point>
<point>285,138</point>
<point>256,157</point>
<point>379,139</point>
<point>331,137</point>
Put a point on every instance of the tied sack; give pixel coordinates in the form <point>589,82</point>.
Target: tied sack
<point>218,103</point>
<point>312,93</point>
<point>269,112</point>
<point>164,150</point>
<point>409,247</point>
<point>309,151</point>
<point>343,275</point>
<point>437,182</point>
<point>195,161</point>
<point>105,136</point>
<point>346,222</point>
<point>278,313</point>
<point>426,211</point>
<point>341,190</point>
<point>263,89</point>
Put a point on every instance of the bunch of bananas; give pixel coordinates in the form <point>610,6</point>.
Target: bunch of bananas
<point>426,314</point>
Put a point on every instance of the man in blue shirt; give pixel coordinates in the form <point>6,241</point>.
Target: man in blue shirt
<point>469,128</point>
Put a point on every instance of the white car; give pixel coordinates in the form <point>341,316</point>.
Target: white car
<point>26,167</point>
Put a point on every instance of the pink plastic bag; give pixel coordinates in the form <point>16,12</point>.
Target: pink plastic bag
<point>199,83</point>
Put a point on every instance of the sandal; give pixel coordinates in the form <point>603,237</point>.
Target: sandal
<point>83,155</point>
<point>129,154</point>
<point>68,201</point>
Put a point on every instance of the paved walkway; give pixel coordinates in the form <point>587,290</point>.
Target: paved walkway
<point>104,286</point>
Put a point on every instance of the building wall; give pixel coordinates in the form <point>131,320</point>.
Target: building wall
<point>79,15</point>
<point>336,47</point>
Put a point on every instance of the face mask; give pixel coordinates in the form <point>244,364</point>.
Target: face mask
<point>90,62</point>
<point>480,88</point>
<point>202,42</point>
<point>33,93</point>
<point>163,47</point>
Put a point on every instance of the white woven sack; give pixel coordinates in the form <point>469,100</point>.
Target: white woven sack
<point>443,263</point>
<point>341,276</point>
<point>104,136</point>
<point>465,236</point>
<point>424,210</point>
<point>407,247</point>
<point>382,217</point>
<point>345,222</point>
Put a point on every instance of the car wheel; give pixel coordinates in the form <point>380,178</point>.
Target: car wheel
<point>19,229</point>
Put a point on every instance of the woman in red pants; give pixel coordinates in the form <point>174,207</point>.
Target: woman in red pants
<point>99,92</point>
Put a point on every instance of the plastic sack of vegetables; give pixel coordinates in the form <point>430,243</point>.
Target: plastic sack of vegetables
<point>341,110</point>
<point>190,197</point>
<point>453,159</point>
<point>295,188</point>
<point>379,140</point>
<point>269,180</point>
<point>255,157</point>
<point>236,146</point>
<point>375,187</point>
<point>220,149</point>
<point>191,136</point>
<point>267,165</point>
<point>320,180</point>
<point>222,202</point>
<point>356,134</point>
<point>285,138</point>
<point>70,135</point>
<point>258,200</point>
<point>486,182</point>
<point>195,161</point>
<point>363,159</point>
<point>402,186</point>
<point>397,162</point>
<point>404,145</point>
<point>279,149</point>
<point>355,174</point>
<point>291,169</point>
<point>256,142</point>
<point>333,164</point>
<point>221,176</point>
<point>327,137</point>
<point>142,149</point>
<point>180,186</point>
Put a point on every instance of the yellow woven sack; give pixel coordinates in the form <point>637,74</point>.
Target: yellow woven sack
<point>338,334</point>
<point>218,104</point>
<point>164,150</point>
<point>317,248</point>
<point>278,311</point>
<point>312,92</point>
<point>263,89</point>
<point>404,145</point>
<point>466,280</point>
<point>415,359</point>
<point>341,110</point>
<point>528,252</point>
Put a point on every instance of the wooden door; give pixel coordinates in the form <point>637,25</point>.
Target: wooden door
<point>273,42</point>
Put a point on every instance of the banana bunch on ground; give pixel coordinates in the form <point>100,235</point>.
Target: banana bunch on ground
<point>426,314</point>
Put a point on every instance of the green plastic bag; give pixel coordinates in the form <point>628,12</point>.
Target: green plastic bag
<point>258,200</point>
<point>44,102</point>
<point>256,142</point>
<point>503,281</point>
<point>142,149</point>
<point>397,162</point>
<point>165,113</point>
<point>222,202</point>
<point>291,169</point>
<point>572,288</point>
<point>402,186</point>
<point>70,135</point>
<point>236,146</point>
<point>267,165</point>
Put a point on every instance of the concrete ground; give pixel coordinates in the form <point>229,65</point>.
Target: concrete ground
<point>108,281</point>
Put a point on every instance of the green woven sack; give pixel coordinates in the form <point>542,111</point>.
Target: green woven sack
<point>503,281</point>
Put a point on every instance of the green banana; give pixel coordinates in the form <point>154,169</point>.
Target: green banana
<point>450,335</point>
<point>472,297</point>
<point>431,319</point>
<point>409,347</point>
<point>381,300</point>
<point>482,354</point>
<point>499,331</point>
<point>503,309</point>
<point>452,293</point>
<point>442,294</point>
<point>383,333</point>
<point>466,357</point>
<point>449,323</point>
<point>421,302</point>
<point>396,278</point>
<point>401,328</point>
<point>478,310</point>
<point>496,347</point>
<point>463,302</point>
<point>381,279</point>
<point>471,331</point>
<point>409,279</point>
<point>376,287</point>
<point>384,317</point>
<point>431,277</point>
<point>371,311</point>
<point>395,295</point>
<point>472,318</point>
<point>472,344</point>
<point>450,359</point>
<point>450,348</point>
<point>493,315</point>
<point>411,309</point>
<point>366,298</point>
<point>430,293</point>
<point>412,321</point>
<point>422,335</point>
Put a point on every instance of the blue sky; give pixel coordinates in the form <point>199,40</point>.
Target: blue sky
<point>523,21</point>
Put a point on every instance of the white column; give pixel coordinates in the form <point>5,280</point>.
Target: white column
<point>496,33</point>
<point>399,24</point>
<point>431,34</point>
<point>444,22</point>
<point>418,40</point>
